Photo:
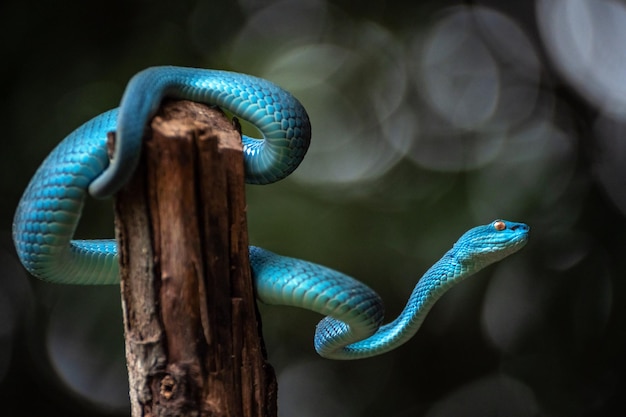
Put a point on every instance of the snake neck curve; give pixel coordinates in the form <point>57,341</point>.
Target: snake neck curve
<point>477,248</point>
<point>439,278</point>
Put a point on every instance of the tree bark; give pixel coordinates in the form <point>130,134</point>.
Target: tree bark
<point>193,339</point>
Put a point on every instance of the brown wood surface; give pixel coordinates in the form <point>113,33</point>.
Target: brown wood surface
<point>193,341</point>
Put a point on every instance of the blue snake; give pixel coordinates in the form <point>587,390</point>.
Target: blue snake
<point>51,205</point>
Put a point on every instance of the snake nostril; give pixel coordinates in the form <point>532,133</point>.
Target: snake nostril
<point>520,226</point>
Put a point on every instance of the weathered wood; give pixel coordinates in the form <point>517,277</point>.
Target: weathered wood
<point>193,341</point>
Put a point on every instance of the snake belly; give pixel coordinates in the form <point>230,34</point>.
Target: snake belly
<point>50,208</point>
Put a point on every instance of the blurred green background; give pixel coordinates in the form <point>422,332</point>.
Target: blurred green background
<point>429,117</point>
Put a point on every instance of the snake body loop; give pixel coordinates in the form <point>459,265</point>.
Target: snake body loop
<point>50,209</point>
<point>277,114</point>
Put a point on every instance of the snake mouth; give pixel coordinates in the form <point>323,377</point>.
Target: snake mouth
<point>517,243</point>
<point>510,244</point>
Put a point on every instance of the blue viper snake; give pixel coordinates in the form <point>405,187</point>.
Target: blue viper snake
<point>79,166</point>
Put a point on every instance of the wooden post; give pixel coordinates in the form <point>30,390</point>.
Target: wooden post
<point>193,342</point>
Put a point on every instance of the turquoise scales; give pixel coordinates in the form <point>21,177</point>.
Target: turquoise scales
<point>50,208</point>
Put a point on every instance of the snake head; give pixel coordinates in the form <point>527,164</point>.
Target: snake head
<point>490,243</point>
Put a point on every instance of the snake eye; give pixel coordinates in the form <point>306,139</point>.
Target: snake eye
<point>499,225</point>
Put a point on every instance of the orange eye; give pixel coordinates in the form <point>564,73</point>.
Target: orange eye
<point>499,225</point>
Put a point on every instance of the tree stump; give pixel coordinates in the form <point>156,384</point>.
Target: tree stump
<point>192,331</point>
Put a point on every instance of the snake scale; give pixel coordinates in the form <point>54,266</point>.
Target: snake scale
<point>79,166</point>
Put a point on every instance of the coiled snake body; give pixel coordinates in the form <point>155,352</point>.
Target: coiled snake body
<point>50,208</point>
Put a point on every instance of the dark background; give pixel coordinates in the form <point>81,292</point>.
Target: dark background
<point>428,118</point>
